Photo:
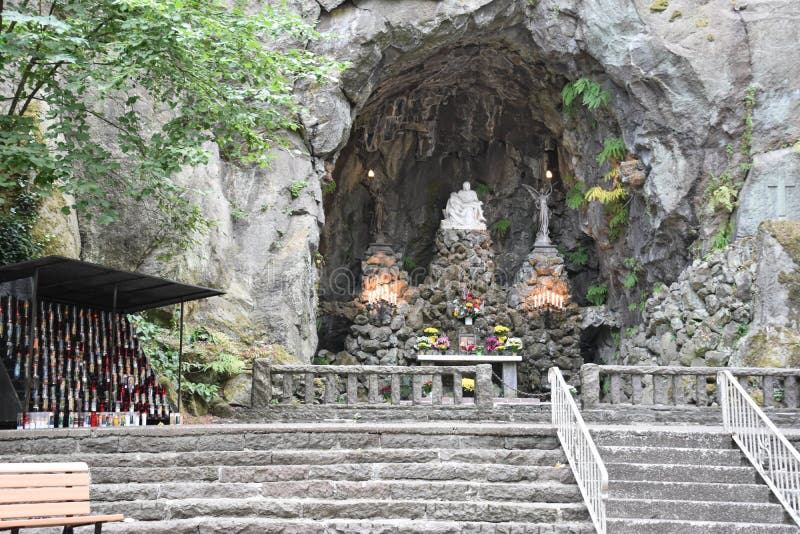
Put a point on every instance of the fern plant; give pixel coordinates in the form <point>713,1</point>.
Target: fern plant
<point>593,94</point>
<point>722,192</point>
<point>722,237</point>
<point>630,279</point>
<point>597,293</point>
<point>576,196</point>
<point>614,150</point>
<point>577,256</point>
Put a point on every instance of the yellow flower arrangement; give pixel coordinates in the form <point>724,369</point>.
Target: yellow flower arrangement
<point>468,384</point>
<point>502,333</point>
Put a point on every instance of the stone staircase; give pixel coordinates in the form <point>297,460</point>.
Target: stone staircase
<point>309,478</point>
<point>684,479</point>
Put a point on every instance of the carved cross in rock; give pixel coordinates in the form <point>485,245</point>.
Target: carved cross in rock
<point>778,192</point>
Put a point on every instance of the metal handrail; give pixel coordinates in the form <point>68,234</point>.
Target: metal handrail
<point>587,466</point>
<point>775,459</point>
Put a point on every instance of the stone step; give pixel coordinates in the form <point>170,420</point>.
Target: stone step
<point>321,509</point>
<point>670,473</point>
<point>696,510</point>
<point>553,492</point>
<point>696,491</point>
<point>664,436</point>
<point>227,525</point>
<point>653,526</point>
<point>310,457</point>
<point>204,438</point>
<point>352,472</point>
<point>670,455</point>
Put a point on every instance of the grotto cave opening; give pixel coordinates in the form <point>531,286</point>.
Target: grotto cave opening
<point>487,113</point>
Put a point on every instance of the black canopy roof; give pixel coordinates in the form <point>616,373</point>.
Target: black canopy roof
<point>82,283</point>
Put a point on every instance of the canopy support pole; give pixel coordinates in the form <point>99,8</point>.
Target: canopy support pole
<point>180,360</point>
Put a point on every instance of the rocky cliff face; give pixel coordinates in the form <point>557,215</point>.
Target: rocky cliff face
<point>438,92</point>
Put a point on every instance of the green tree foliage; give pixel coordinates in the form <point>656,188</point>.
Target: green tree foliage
<point>207,72</point>
<point>593,94</point>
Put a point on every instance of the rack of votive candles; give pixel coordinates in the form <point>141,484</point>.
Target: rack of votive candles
<point>37,420</point>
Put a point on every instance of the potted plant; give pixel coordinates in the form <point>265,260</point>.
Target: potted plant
<point>442,343</point>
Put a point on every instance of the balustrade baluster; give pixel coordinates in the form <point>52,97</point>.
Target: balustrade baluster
<point>373,395</point>
<point>436,389</point>
<point>768,388</point>
<point>458,392</point>
<point>700,390</point>
<point>416,389</point>
<point>677,390</point>
<point>331,391</point>
<point>352,389</point>
<point>616,388</point>
<point>396,397</point>
<point>636,389</point>
<point>288,388</point>
<point>790,392</point>
<point>309,388</point>
<point>660,389</point>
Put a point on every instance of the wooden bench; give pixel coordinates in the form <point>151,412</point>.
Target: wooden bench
<point>47,495</point>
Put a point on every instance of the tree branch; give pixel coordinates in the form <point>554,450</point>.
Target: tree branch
<point>39,86</point>
<point>23,80</point>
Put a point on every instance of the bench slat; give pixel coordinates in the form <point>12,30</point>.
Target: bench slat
<point>19,511</point>
<point>66,467</point>
<point>23,495</point>
<point>44,480</point>
<point>73,521</point>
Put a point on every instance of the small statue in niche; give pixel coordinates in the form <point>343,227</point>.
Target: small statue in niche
<point>541,198</point>
<point>464,211</point>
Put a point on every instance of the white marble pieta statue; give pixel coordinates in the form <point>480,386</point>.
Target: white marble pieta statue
<point>464,211</point>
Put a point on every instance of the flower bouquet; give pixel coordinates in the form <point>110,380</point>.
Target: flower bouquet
<point>514,344</point>
<point>468,309</point>
<point>442,343</point>
<point>424,343</point>
<point>501,332</point>
<point>491,344</point>
<point>468,348</point>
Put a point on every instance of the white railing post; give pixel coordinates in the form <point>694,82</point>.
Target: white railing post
<point>579,448</point>
<point>775,459</point>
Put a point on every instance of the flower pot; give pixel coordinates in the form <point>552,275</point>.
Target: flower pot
<point>468,321</point>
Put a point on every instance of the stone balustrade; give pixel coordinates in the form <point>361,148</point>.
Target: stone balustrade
<point>339,385</point>
<point>605,385</point>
